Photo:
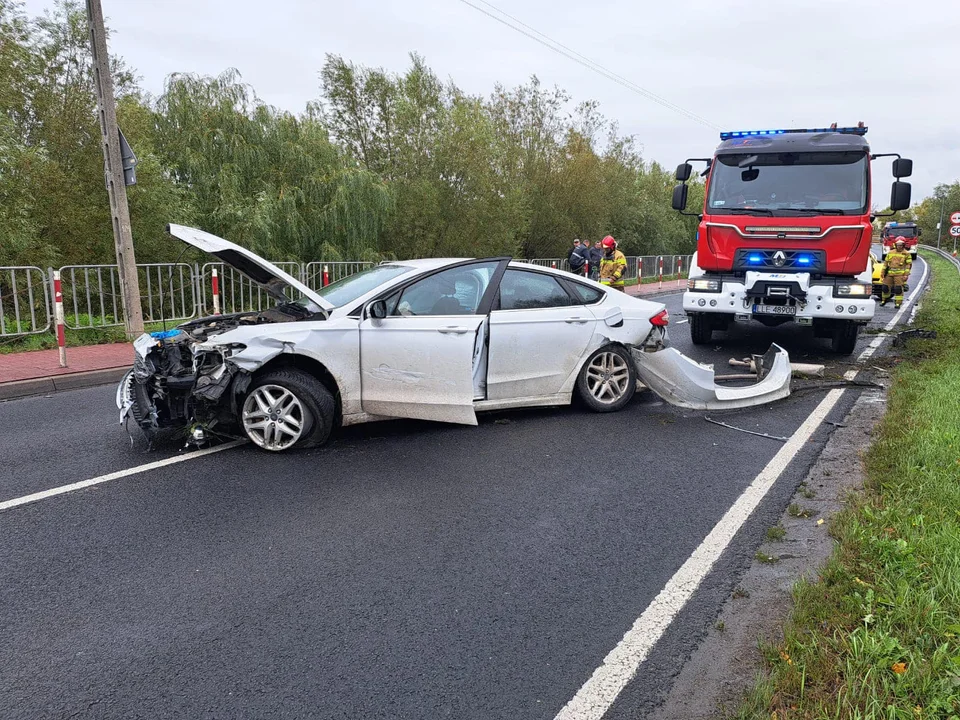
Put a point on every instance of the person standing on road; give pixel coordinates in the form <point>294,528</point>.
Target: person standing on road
<point>596,255</point>
<point>579,257</point>
<point>613,266</point>
<point>896,272</point>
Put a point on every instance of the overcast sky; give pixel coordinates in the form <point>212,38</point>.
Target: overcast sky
<point>740,64</point>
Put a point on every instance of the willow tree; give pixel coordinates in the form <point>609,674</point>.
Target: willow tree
<point>267,179</point>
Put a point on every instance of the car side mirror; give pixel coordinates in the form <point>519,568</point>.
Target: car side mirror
<point>900,196</point>
<point>919,232</point>
<point>902,168</point>
<point>377,310</point>
<point>680,197</point>
<point>684,171</point>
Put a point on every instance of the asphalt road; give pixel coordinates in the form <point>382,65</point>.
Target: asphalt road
<point>407,570</point>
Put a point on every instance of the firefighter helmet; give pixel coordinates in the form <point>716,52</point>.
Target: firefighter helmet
<point>608,242</point>
<point>901,240</point>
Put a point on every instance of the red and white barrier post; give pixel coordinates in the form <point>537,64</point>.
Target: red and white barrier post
<point>679,267</point>
<point>554,264</point>
<point>326,276</point>
<point>215,283</point>
<point>639,272</point>
<point>661,270</point>
<point>58,318</point>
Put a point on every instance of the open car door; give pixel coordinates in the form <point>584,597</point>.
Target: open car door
<point>418,345</point>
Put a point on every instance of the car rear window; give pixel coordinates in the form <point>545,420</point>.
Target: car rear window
<point>587,294</point>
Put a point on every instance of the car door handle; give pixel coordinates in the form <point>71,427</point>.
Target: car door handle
<point>452,330</point>
<point>578,320</point>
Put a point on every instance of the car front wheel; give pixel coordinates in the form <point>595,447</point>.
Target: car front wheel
<point>608,379</point>
<point>287,409</point>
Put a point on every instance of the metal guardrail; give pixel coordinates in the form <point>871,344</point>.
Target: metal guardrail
<point>944,254</point>
<point>237,292</point>
<point>91,294</point>
<point>179,291</point>
<point>25,307</point>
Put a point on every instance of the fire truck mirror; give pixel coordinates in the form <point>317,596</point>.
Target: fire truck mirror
<point>683,171</point>
<point>750,175</point>
<point>680,197</point>
<point>900,196</point>
<point>902,168</point>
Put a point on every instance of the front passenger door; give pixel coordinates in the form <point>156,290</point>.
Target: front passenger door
<point>418,362</point>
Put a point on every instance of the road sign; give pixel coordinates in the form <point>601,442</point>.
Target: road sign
<point>955,218</point>
<point>955,231</point>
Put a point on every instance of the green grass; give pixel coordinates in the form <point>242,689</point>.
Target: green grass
<point>776,533</point>
<point>877,636</point>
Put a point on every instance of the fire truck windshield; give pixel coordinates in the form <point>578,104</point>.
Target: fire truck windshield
<point>786,184</point>
<point>894,232</point>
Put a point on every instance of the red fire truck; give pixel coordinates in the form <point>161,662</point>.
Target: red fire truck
<point>785,232</point>
<point>907,230</point>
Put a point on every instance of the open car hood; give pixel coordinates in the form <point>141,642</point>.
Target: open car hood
<point>265,274</point>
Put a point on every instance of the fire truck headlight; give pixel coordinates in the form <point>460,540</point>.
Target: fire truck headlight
<point>852,290</point>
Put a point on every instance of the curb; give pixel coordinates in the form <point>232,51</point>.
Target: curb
<point>59,383</point>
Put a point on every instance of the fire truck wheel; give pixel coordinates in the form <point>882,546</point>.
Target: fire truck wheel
<point>845,337</point>
<point>701,329</point>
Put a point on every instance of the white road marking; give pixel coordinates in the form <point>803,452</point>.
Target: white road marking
<point>620,666</point>
<point>53,492</point>
<point>681,322</point>
<point>908,301</point>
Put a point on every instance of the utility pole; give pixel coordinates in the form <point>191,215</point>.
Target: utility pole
<point>113,171</point>
<point>940,224</point>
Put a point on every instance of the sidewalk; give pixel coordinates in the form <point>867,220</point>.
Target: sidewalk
<point>669,286</point>
<point>38,372</point>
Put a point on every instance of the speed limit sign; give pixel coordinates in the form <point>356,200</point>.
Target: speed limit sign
<point>955,231</point>
<point>955,218</point>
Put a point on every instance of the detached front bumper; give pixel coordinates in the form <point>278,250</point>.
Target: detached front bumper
<point>688,384</point>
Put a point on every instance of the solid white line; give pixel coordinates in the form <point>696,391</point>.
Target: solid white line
<point>620,666</point>
<point>43,495</point>
<point>878,340</point>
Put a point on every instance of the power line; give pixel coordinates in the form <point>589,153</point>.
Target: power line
<point>572,54</point>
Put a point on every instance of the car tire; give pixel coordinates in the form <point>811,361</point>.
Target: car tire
<point>608,379</point>
<point>287,409</point>
<point>844,340</point>
<point>701,329</point>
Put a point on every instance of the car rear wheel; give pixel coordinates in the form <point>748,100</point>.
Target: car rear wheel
<point>287,409</point>
<point>608,379</point>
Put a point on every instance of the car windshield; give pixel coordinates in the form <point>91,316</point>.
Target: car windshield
<point>348,289</point>
<point>788,184</point>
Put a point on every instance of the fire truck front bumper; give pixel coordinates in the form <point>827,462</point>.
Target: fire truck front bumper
<point>783,297</point>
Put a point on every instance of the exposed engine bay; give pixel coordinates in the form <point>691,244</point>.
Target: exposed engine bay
<point>181,380</point>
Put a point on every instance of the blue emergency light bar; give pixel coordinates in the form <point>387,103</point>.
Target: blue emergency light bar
<point>761,133</point>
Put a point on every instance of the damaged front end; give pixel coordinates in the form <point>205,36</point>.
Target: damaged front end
<point>688,384</point>
<point>184,378</point>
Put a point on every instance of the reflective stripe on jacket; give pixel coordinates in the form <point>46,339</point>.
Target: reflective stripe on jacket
<point>898,263</point>
<point>612,269</point>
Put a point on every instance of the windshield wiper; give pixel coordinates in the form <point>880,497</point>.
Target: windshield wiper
<point>748,211</point>
<point>816,211</point>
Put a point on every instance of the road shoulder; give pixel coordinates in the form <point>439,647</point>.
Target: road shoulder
<point>725,665</point>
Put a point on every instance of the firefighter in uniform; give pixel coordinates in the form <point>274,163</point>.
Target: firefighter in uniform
<point>896,272</point>
<point>613,264</point>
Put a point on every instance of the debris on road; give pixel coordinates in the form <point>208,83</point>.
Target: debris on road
<point>916,333</point>
<point>797,369</point>
<point>749,432</point>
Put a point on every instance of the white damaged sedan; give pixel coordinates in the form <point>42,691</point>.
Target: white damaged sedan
<point>437,339</point>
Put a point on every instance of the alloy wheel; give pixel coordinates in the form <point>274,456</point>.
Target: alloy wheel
<point>608,377</point>
<point>273,417</point>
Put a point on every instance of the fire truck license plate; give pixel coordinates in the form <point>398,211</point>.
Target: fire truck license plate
<point>774,309</point>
